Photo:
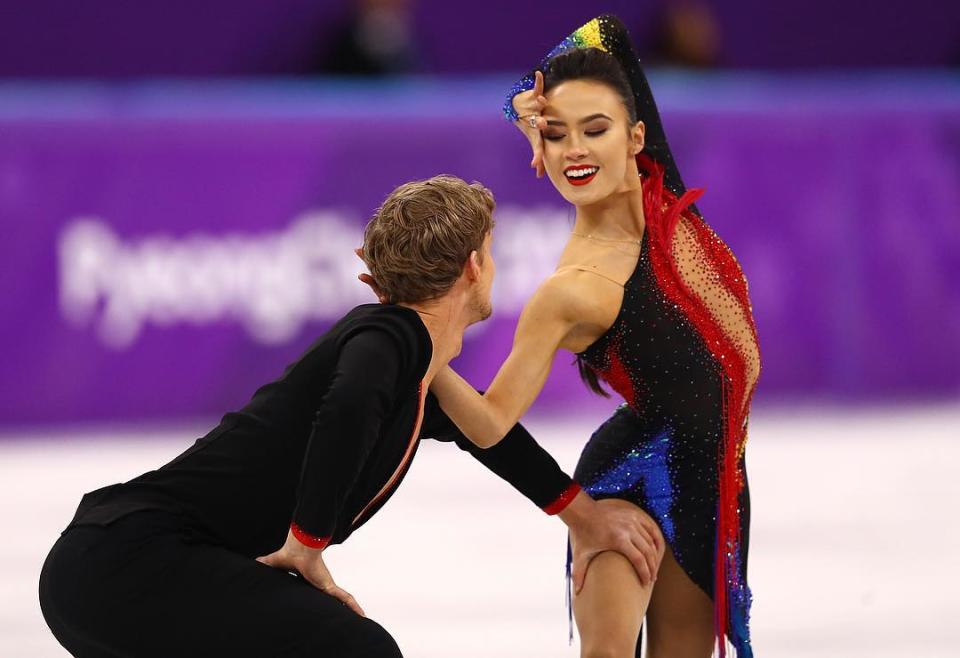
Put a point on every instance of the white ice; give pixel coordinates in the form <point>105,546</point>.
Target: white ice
<point>855,541</point>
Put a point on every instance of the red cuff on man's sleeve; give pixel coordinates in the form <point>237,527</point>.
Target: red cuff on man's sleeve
<point>308,540</point>
<point>563,499</point>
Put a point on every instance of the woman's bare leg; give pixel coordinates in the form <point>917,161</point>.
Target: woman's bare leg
<point>680,615</point>
<point>609,609</point>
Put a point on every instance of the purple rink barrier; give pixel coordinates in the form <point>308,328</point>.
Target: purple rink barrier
<point>170,247</point>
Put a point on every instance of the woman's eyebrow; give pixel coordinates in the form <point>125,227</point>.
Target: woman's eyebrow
<point>598,115</point>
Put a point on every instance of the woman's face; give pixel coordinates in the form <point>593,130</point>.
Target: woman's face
<point>588,141</point>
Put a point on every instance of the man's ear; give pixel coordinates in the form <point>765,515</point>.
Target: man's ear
<point>472,268</point>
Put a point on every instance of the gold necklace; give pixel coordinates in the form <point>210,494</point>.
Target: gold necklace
<point>594,237</point>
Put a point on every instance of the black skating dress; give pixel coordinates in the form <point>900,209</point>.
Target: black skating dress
<point>683,354</point>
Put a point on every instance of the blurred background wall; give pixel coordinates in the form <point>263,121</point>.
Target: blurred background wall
<point>182,185</point>
<point>113,38</point>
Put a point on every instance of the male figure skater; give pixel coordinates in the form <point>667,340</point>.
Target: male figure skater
<point>194,559</point>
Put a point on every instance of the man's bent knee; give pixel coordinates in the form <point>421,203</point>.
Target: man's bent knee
<point>354,636</point>
<point>377,642</point>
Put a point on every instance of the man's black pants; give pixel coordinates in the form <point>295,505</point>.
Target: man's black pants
<point>145,586</point>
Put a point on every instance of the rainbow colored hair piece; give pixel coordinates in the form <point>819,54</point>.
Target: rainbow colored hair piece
<point>589,35</point>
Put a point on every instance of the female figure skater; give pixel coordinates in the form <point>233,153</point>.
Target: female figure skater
<point>652,302</point>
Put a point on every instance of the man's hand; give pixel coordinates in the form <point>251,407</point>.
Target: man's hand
<point>612,525</point>
<point>308,562</point>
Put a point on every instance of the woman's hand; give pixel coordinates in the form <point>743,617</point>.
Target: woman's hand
<point>308,562</point>
<point>529,104</point>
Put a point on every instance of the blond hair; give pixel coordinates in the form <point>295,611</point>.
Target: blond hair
<point>417,242</point>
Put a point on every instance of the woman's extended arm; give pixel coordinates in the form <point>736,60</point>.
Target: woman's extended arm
<point>560,306</point>
<point>549,318</point>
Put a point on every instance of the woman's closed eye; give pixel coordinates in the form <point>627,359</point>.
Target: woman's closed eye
<point>554,137</point>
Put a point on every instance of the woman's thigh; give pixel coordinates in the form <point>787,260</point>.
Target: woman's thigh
<point>680,616</point>
<point>134,589</point>
<point>610,608</point>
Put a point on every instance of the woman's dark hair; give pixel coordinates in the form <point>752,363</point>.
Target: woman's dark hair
<point>591,64</point>
<point>590,378</point>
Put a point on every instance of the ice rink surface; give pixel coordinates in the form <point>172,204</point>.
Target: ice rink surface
<point>855,543</point>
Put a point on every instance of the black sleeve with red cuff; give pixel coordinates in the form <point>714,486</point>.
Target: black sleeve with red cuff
<point>346,427</point>
<point>517,458</point>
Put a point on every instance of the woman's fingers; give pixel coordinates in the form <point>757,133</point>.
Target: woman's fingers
<point>537,162</point>
<point>531,103</point>
<point>536,143</point>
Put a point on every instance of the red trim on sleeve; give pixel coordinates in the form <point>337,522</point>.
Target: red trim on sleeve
<point>563,499</point>
<point>308,540</point>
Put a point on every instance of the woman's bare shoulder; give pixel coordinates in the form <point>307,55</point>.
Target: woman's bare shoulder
<point>578,295</point>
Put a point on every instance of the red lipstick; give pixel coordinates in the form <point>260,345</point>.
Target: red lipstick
<point>580,174</point>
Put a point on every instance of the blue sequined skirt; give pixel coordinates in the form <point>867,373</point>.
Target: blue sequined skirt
<point>669,468</point>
